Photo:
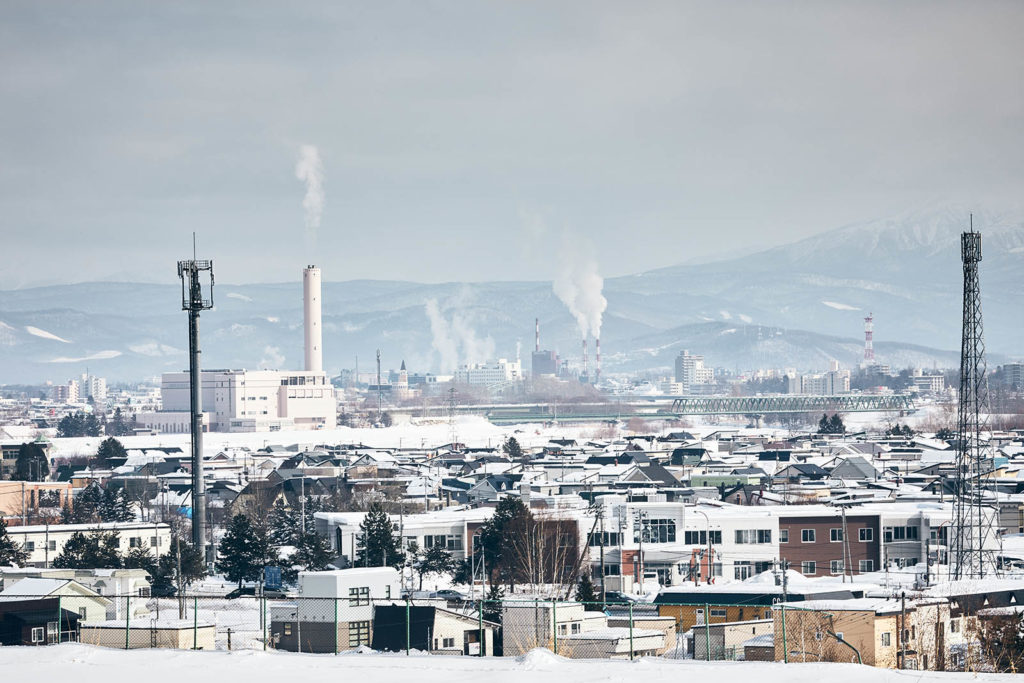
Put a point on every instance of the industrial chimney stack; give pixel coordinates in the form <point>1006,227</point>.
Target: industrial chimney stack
<point>597,361</point>
<point>585,357</point>
<point>311,307</point>
<point>536,334</point>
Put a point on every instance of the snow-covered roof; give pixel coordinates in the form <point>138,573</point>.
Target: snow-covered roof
<point>35,588</point>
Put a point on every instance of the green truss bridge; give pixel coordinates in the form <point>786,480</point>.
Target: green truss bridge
<point>791,403</point>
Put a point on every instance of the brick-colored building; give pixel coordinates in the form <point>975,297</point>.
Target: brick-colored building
<point>813,544</point>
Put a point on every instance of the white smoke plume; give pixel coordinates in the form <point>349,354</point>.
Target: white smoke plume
<point>456,341</point>
<point>443,342</point>
<point>310,170</point>
<point>578,285</point>
<point>272,358</point>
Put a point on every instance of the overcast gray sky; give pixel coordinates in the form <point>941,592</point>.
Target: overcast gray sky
<point>461,139</point>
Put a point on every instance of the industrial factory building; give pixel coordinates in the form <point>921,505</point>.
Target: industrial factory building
<point>256,400</point>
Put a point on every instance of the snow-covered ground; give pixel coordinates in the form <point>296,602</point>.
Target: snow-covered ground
<point>86,664</point>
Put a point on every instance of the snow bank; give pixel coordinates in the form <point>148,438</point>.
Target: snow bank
<point>87,664</point>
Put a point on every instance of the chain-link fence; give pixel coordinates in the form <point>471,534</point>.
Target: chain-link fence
<point>930,638</point>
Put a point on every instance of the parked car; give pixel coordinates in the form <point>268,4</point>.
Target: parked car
<point>617,598</point>
<point>450,595</point>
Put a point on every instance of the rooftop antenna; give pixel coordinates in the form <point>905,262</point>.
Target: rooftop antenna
<point>194,300</point>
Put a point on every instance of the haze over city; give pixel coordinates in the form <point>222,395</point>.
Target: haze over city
<point>450,133</point>
<point>570,341</point>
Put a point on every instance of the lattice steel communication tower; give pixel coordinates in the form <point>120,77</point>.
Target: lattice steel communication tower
<point>194,300</point>
<point>972,530</point>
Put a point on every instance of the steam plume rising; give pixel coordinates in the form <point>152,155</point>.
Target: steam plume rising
<point>578,285</point>
<point>310,170</point>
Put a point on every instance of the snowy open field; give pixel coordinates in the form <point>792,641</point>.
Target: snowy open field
<point>86,664</point>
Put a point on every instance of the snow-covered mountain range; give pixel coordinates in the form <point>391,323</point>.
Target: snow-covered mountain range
<point>796,305</point>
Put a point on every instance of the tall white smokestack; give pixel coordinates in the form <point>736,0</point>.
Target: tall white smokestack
<point>311,308</point>
<point>536,327</point>
<point>597,361</point>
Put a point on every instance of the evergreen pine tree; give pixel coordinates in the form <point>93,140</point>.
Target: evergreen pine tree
<point>87,505</point>
<point>192,566</point>
<point>141,558</point>
<point>283,524</point>
<point>836,425</point>
<point>244,551</point>
<point>376,546</point>
<point>586,594</point>
<point>90,425</point>
<point>110,449</point>
<point>512,448</point>
<point>823,425</point>
<point>31,464</point>
<point>434,560</point>
<point>11,553</point>
<point>312,553</point>
<point>98,550</point>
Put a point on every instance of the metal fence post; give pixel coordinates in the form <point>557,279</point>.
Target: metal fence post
<point>554,625</point>
<point>785,649</point>
<point>127,618</point>
<point>631,630</point>
<point>480,625</point>
<point>407,629</point>
<point>195,622</point>
<point>60,616</point>
<point>263,618</point>
<point>335,626</point>
<point>707,629</point>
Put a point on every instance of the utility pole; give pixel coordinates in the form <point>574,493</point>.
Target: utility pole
<point>194,300</point>
<point>380,391</point>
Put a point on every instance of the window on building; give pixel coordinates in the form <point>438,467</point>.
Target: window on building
<point>358,633</point>
<point>655,531</point>
<point>38,634</point>
<point>144,591</point>
<point>835,535</point>
<point>865,535</point>
<point>718,613</point>
<point>52,546</point>
<point>447,643</point>
<point>82,612</point>
<point>864,566</point>
<point>30,546</point>
<point>807,535</point>
<point>358,596</point>
<point>887,639</point>
<point>135,542</point>
<point>610,538</point>
<point>575,628</point>
<point>835,566</point>
<point>742,569</point>
<point>808,568</point>
<point>750,536</point>
<point>783,535</point>
<point>701,537</point>
<point>900,533</point>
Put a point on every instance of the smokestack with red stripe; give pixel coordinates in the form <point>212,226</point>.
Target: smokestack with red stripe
<point>536,327</point>
<point>597,362</point>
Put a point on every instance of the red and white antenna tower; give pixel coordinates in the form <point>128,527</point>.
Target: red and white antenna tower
<point>869,333</point>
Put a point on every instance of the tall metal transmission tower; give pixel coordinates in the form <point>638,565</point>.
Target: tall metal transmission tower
<point>973,518</point>
<point>194,300</point>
